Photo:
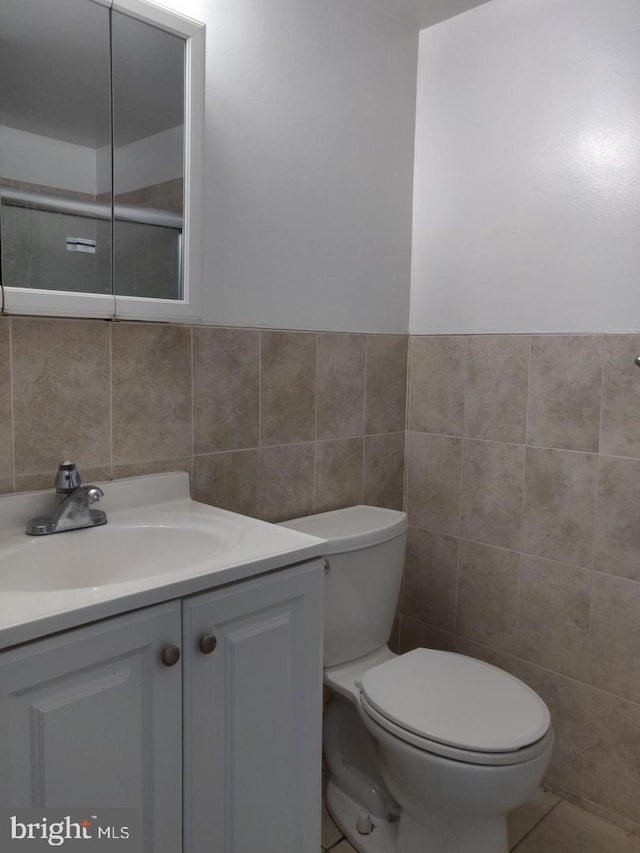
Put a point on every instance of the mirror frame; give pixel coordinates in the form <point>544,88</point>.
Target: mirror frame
<point>17,300</point>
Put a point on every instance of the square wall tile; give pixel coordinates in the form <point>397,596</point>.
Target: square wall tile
<point>61,394</point>
<point>228,481</point>
<point>420,635</point>
<point>287,481</point>
<point>384,470</point>
<point>496,390</point>
<point>341,375</point>
<point>620,435</point>
<point>437,372</point>
<point>615,636</point>
<point>151,375</point>
<point>492,489</point>
<point>386,383</point>
<point>559,504</point>
<point>617,531</point>
<point>612,754</point>
<point>431,578</point>
<point>338,473</point>
<point>504,661</point>
<point>565,391</point>
<point>488,595</point>
<point>569,703</point>
<point>288,387</point>
<point>554,602</point>
<point>6,418</point>
<point>226,389</point>
<point>434,479</point>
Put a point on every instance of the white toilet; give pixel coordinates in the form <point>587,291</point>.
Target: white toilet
<point>426,751</point>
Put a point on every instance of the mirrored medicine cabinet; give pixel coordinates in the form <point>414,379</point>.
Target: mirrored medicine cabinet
<point>101,116</point>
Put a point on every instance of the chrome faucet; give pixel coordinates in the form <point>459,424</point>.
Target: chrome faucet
<point>72,508</point>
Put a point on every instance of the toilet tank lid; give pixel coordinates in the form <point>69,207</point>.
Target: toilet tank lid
<point>351,528</point>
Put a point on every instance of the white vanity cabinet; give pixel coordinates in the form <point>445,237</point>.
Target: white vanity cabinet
<point>221,748</point>
<point>92,718</point>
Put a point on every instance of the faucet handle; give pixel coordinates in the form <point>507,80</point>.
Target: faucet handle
<point>94,493</point>
<point>67,478</point>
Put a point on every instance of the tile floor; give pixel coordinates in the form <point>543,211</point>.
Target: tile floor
<point>546,824</point>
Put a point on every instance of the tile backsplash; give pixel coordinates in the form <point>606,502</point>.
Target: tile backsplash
<point>272,424</point>
<point>522,481</point>
<point>523,495</point>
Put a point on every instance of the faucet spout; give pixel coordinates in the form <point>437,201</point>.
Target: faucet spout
<point>72,510</point>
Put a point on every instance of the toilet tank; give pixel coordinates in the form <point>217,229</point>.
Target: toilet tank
<point>365,553</point>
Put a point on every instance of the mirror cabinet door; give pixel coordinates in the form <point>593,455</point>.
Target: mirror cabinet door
<point>148,159</point>
<point>55,152</point>
<point>100,158</point>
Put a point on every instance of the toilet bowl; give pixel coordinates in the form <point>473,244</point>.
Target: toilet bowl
<point>426,751</point>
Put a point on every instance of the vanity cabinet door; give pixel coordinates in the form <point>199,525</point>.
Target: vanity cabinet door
<point>253,708</point>
<point>92,718</point>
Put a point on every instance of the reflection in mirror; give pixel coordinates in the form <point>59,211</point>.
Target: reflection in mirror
<point>55,145</point>
<point>148,158</point>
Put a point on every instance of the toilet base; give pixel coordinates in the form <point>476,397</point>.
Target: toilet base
<point>440,834</point>
<point>345,812</point>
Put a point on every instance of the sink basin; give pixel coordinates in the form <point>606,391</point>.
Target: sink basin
<point>158,545</point>
<point>115,553</point>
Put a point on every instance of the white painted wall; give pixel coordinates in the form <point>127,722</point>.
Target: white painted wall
<point>310,111</point>
<point>527,178</point>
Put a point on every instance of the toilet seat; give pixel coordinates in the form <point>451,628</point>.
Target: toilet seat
<point>453,753</point>
<point>457,707</point>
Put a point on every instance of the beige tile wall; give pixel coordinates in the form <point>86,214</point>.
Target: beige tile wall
<point>272,424</point>
<point>522,481</point>
<point>523,495</point>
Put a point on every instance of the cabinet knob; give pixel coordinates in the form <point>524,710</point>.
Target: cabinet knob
<point>170,656</point>
<point>207,643</point>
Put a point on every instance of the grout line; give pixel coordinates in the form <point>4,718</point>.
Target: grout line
<point>315,389</point>
<point>596,503</point>
<point>526,446</point>
<point>546,669</point>
<point>365,369</point>
<point>604,365</point>
<point>460,491</point>
<point>407,402</point>
<point>364,416</point>
<point>192,377</point>
<point>465,388</point>
<point>536,825</point>
<point>12,403</point>
<point>110,333</point>
<point>315,426</point>
<point>455,612</point>
<point>193,422</point>
<point>526,415</point>
<point>522,500</point>
<point>594,528</point>
<point>291,444</point>
<point>259,447</point>
<point>408,383</point>
<point>524,553</point>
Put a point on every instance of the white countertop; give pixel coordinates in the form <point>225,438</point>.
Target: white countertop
<point>135,508</point>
